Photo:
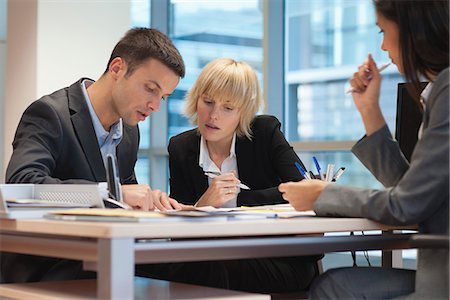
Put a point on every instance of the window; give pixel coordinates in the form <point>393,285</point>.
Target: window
<point>202,31</point>
<point>206,30</point>
<point>325,41</point>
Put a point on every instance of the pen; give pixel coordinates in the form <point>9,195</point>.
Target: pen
<point>330,171</point>
<point>338,174</point>
<point>303,172</point>
<point>213,174</point>
<point>381,69</point>
<point>318,167</point>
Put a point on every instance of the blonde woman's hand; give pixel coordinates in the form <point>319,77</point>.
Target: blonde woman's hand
<point>221,190</point>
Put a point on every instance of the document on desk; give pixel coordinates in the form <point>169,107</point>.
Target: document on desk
<point>123,215</point>
<point>196,214</point>
<point>269,211</point>
<point>108,215</point>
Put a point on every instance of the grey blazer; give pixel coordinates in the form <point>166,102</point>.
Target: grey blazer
<point>415,193</point>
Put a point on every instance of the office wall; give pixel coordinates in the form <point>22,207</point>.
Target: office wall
<point>2,101</point>
<point>51,44</point>
<point>2,78</point>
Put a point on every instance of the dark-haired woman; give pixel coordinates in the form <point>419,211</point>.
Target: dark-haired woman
<point>416,37</point>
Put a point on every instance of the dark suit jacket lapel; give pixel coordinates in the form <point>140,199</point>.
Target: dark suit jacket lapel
<point>245,158</point>
<point>85,132</point>
<point>195,172</point>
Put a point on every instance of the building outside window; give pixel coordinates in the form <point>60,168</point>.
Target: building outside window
<point>325,41</point>
<point>206,30</point>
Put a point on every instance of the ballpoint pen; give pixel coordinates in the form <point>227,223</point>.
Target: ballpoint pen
<point>214,174</point>
<point>302,171</point>
<point>330,171</point>
<point>382,68</point>
<point>338,174</point>
<point>318,168</point>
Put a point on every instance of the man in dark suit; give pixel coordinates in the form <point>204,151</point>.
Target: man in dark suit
<point>65,137</point>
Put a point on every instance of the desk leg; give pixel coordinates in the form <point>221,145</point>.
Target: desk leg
<point>115,269</point>
<point>392,258</point>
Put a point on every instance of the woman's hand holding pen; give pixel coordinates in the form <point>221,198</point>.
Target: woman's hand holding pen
<point>221,190</point>
<point>303,194</point>
<point>366,84</point>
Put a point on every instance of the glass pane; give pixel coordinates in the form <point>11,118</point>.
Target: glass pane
<point>140,13</point>
<point>325,112</point>
<point>140,17</point>
<point>3,20</point>
<point>209,29</point>
<point>141,170</point>
<point>355,173</point>
<point>144,131</point>
<point>325,42</point>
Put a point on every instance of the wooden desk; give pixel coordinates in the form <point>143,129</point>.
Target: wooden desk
<point>144,288</point>
<point>113,248</point>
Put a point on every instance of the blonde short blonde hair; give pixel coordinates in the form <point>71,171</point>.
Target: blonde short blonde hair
<point>227,80</point>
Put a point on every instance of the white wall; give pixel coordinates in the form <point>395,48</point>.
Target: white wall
<point>2,101</point>
<point>51,44</point>
<point>2,79</point>
<point>76,39</point>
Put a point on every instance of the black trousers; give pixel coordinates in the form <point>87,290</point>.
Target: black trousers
<point>18,268</point>
<point>264,275</point>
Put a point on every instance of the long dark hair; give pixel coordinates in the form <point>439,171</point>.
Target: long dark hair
<point>423,36</point>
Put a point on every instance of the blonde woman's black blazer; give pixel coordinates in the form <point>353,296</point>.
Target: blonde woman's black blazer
<point>263,163</point>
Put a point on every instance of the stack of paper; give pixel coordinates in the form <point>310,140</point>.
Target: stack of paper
<point>270,211</point>
<point>124,215</point>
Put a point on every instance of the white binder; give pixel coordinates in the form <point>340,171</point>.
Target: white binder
<point>34,200</point>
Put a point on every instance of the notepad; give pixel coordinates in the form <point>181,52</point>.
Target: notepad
<point>107,215</point>
<point>269,211</point>
<point>122,215</point>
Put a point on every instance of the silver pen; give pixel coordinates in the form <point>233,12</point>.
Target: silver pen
<point>338,174</point>
<point>382,68</point>
<point>213,174</point>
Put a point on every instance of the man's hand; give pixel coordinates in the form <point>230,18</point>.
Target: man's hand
<point>141,196</point>
<point>303,194</point>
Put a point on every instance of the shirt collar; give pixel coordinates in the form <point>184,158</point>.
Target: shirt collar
<point>116,129</point>
<point>426,94</point>
<point>204,160</point>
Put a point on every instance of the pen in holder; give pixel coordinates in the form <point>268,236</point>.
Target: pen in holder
<point>328,176</point>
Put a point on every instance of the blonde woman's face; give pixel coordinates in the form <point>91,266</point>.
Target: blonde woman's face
<point>390,43</point>
<point>217,120</point>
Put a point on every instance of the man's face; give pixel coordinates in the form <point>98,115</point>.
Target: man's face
<point>135,97</point>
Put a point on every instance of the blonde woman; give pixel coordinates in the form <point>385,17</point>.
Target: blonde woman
<point>243,148</point>
<point>230,140</point>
